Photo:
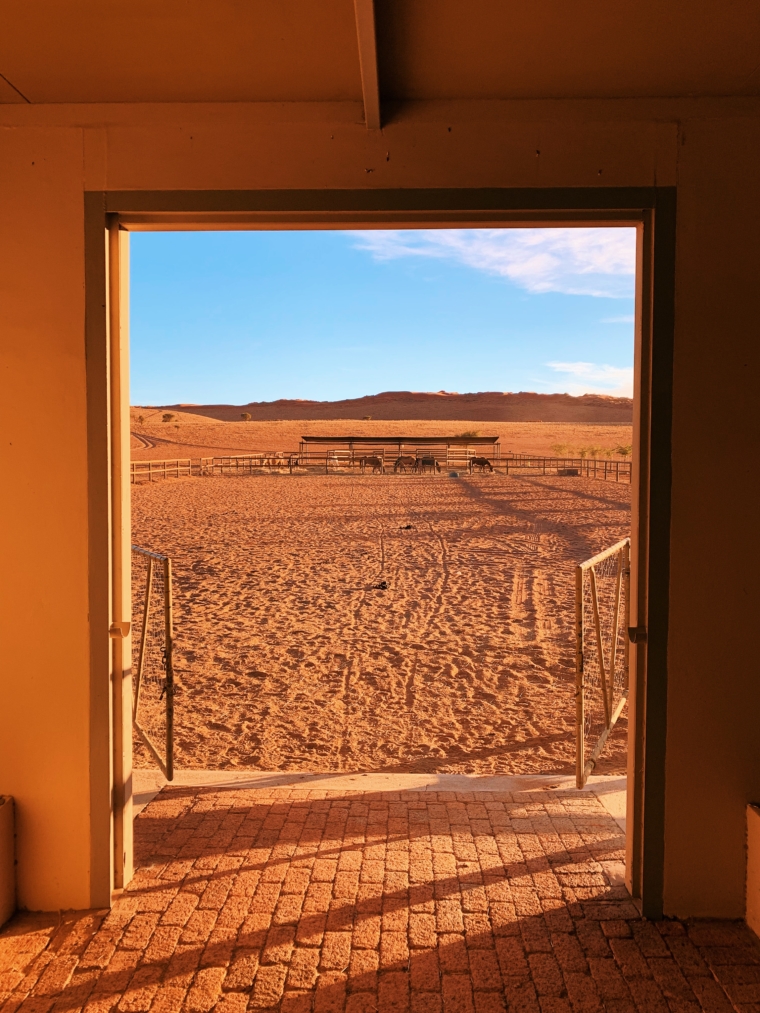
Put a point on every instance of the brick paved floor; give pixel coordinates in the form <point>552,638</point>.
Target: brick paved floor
<point>375,903</point>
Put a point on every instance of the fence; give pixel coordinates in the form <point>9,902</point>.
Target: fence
<point>602,606</point>
<point>152,641</point>
<point>335,460</point>
<point>587,467</point>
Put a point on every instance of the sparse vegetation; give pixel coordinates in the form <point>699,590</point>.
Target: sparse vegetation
<point>245,416</point>
<point>167,417</point>
<point>140,419</point>
<point>469,434</point>
<point>624,451</point>
<point>561,449</point>
<point>367,418</point>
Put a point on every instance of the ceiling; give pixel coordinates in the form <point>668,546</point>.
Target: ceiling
<point>55,51</point>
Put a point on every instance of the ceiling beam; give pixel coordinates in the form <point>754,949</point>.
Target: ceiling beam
<point>365,32</point>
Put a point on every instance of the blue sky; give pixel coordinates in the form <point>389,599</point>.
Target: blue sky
<point>233,317</point>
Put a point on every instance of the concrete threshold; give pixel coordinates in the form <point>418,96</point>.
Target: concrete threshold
<point>610,789</point>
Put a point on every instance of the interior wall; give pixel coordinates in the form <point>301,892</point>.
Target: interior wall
<point>713,752</point>
<point>44,632</point>
<point>705,148</point>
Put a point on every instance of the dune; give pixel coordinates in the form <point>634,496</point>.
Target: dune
<point>489,406</point>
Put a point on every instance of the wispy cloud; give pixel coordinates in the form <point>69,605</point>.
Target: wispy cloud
<point>627,319</point>
<point>595,378</point>
<point>584,261</point>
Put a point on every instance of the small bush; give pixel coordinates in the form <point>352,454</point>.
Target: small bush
<point>245,416</point>
<point>140,419</point>
<point>367,418</point>
<point>470,434</point>
<point>561,449</point>
<point>167,417</point>
<point>624,451</point>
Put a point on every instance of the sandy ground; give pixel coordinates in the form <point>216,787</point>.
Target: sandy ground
<point>193,436</point>
<point>289,657</point>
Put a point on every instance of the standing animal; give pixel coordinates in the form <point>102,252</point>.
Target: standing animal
<point>425,463</point>
<point>481,463</point>
<point>404,462</point>
<point>376,463</point>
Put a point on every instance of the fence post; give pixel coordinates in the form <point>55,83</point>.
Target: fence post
<point>580,710</point>
<point>168,655</point>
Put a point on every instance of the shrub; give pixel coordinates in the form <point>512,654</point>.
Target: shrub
<point>167,417</point>
<point>624,451</point>
<point>470,434</point>
<point>367,418</point>
<point>245,416</point>
<point>560,449</point>
<point>140,419</point>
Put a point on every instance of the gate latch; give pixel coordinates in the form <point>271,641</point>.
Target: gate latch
<point>637,634</point>
<point>117,631</point>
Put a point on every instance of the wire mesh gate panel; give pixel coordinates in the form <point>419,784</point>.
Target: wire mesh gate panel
<point>602,607</point>
<point>152,634</point>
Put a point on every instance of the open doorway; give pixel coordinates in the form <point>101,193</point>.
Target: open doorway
<point>650,461</point>
<point>368,580</point>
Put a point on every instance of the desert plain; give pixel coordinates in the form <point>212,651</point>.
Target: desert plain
<point>375,623</point>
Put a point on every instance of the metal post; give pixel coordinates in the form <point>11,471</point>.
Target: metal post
<point>168,657</point>
<point>580,703</point>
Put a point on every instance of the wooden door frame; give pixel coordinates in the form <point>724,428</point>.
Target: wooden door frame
<point>652,210</point>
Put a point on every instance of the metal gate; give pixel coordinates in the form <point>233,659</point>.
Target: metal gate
<point>152,636</point>
<point>602,607</point>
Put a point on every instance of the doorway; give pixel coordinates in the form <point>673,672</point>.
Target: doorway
<point>154,211</point>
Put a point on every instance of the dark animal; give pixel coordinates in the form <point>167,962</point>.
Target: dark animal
<point>404,462</point>
<point>425,463</point>
<point>376,463</point>
<point>481,463</point>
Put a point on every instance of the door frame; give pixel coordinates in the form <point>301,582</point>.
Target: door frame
<point>111,215</point>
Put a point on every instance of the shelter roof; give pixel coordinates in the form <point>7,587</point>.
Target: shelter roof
<point>419,441</point>
<point>298,50</point>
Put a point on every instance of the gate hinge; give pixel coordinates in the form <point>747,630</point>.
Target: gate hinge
<point>637,634</point>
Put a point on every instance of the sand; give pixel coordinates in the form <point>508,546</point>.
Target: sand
<point>290,657</point>
<point>189,435</point>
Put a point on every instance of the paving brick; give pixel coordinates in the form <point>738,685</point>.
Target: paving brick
<point>425,971</point>
<point>302,973</point>
<point>268,986</point>
<point>303,901</point>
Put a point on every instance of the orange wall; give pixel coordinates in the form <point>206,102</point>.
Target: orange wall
<point>44,647</point>
<point>707,148</point>
<point>713,758</point>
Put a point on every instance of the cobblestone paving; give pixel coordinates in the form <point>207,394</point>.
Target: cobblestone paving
<point>375,903</point>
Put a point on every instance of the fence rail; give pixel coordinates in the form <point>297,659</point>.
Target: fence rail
<point>602,608</point>
<point>152,644</point>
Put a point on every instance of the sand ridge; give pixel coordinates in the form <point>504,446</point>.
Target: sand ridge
<point>496,406</point>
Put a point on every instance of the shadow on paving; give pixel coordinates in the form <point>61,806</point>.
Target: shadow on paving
<point>301,900</point>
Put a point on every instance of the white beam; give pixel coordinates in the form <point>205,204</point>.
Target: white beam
<point>365,32</point>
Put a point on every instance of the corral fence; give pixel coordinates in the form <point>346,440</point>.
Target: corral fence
<point>602,608</point>
<point>151,471</point>
<point>336,460</point>
<point>586,467</point>
<point>152,642</point>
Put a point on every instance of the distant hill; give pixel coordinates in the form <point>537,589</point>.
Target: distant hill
<point>489,406</point>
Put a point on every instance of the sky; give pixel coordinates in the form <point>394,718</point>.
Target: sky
<point>235,317</point>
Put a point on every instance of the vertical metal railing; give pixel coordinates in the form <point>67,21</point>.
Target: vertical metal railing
<point>152,646</point>
<point>602,609</point>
